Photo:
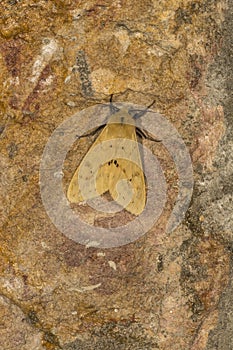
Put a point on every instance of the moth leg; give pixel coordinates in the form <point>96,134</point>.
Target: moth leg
<point>144,134</point>
<point>91,133</point>
<point>141,113</point>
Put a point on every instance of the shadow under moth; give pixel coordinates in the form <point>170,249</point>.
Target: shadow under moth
<point>122,174</point>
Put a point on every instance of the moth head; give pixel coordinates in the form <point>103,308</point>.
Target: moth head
<point>121,117</point>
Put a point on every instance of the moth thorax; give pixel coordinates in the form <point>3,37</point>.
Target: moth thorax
<point>121,117</point>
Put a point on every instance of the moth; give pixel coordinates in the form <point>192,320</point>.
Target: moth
<point>122,174</point>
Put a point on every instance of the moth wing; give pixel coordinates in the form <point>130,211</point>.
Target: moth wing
<point>124,178</point>
<point>134,189</point>
<point>74,194</point>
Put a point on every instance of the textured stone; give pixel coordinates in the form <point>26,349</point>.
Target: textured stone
<point>162,291</point>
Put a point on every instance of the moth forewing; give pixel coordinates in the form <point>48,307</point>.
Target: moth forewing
<point>121,175</point>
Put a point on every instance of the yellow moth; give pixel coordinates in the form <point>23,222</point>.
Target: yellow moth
<point>124,166</point>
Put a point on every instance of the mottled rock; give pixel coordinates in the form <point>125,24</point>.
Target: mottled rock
<point>161,291</point>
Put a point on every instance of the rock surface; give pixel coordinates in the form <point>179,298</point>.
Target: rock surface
<point>161,291</point>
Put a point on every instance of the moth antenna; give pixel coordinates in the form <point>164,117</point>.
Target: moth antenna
<point>141,113</point>
<point>151,104</point>
<point>113,108</point>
